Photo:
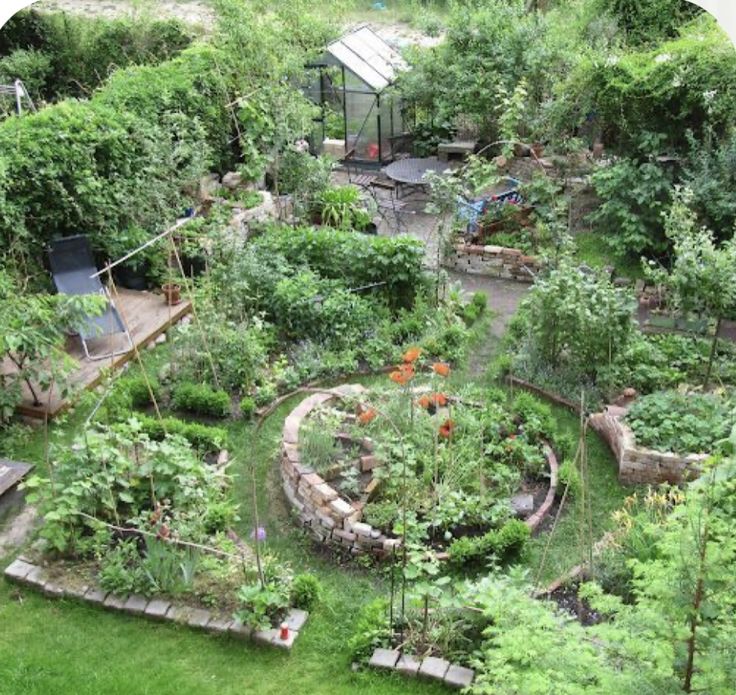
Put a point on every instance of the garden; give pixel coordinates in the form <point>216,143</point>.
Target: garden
<point>325,455</point>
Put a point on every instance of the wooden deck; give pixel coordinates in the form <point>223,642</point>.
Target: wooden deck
<point>11,473</point>
<point>147,317</point>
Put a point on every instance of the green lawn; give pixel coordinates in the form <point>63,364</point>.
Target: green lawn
<point>65,647</point>
<point>592,251</point>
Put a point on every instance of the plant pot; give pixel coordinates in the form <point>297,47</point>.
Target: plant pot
<point>538,150</point>
<point>132,277</point>
<point>172,293</point>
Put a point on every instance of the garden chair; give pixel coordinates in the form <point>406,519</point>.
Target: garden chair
<point>74,273</point>
<point>388,204</point>
<point>355,175</point>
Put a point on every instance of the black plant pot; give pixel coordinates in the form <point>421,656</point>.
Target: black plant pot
<point>193,265</point>
<point>132,277</point>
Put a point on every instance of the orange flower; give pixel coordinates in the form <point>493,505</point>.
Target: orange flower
<point>441,368</point>
<point>412,355</point>
<point>424,402</point>
<point>402,375</point>
<point>367,416</point>
<point>446,429</point>
<point>439,399</point>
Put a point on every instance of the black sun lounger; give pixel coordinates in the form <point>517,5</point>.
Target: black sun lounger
<point>72,267</point>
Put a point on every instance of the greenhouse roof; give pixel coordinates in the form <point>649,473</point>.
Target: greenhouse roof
<point>368,56</point>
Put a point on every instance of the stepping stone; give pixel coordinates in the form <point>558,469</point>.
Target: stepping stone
<point>459,676</point>
<point>265,636</point>
<point>157,609</point>
<point>296,619</point>
<point>116,603</point>
<point>198,617</point>
<point>95,596</point>
<point>220,625</point>
<point>136,604</point>
<point>238,629</point>
<point>432,667</point>
<point>522,504</point>
<point>18,570</point>
<point>408,665</point>
<point>384,658</point>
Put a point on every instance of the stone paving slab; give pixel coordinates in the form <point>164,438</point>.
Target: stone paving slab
<point>384,658</point>
<point>296,619</point>
<point>95,596</point>
<point>432,667</point>
<point>18,570</point>
<point>265,636</point>
<point>52,589</point>
<point>408,665</point>
<point>157,609</point>
<point>459,676</point>
<point>238,629</point>
<point>114,602</point>
<point>220,625</point>
<point>287,643</point>
<point>36,576</point>
<point>136,604</point>
<point>199,617</point>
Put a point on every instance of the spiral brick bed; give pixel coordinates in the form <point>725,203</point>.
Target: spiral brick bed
<point>334,520</point>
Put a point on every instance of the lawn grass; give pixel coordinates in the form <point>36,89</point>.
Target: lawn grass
<point>65,647</point>
<point>592,251</point>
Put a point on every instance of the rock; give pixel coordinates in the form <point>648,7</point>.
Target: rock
<point>232,180</point>
<point>522,504</point>
<point>384,658</point>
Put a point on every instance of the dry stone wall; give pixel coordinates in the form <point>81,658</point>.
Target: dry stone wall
<point>494,261</point>
<point>638,465</point>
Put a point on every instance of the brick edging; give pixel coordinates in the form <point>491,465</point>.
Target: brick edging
<point>430,667</point>
<point>21,571</point>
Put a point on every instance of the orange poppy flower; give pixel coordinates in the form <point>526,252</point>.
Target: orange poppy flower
<point>441,368</point>
<point>412,355</point>
<point>403,374</point>
<point>446,429</point>
<point>424,401</point>
<point>367,416</point>
<point>439,399</point>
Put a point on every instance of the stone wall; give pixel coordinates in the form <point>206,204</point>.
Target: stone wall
<point>638,465</point>
<point>330,518</point>
<point>495,261</point>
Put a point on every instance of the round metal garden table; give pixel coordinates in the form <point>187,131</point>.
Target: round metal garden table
<point>412,172</point>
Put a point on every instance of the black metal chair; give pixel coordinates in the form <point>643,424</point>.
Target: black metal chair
<point>355,175</point>
<point>73,270</point>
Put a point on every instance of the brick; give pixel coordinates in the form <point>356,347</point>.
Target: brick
<point>459,676</point>
<point>296,619</point>
<point>341,508</point>
<point>198,617</point>
<point>95,595</point>
<point>408,665</point>
<point>136,604</point>
<point>18,570</point>
<point>384,658</point>
<point>311,479</point>
<point>219,625</point>
<point>368,463</point>
<point>362,529</point>
<point>239,629</point>
<point>157,609</point>
<point>324,493</point>
<point>372,487</point>
<point>114,602</point>
<point>435,668</point>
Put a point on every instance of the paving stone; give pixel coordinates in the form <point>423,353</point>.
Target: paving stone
<point>115,602</point>
<point>198,617</point>
<point>384,658</point>
<point>408,665</point>
<point>136,604</point>
<point>265,636</point>
<point>179,614</point>
<point>52,589</point>
<point>432,667</point>
<point>238,629</point>
<point>220,625</point>
<point>36,576</point>
<point>157,608</point>
<point>18,570</point>
<point>76,591</point>
<point>95,595</point>
<point>287,643</point>
<point>459,676</point>
<point>296,619</point>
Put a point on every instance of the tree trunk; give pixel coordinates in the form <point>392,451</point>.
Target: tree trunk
<point>713,350</point>
<point>687,684</point>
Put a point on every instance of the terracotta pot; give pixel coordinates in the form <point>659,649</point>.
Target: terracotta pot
<point>172,293</point>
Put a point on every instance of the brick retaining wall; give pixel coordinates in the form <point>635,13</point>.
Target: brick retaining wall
<point>495,261</point>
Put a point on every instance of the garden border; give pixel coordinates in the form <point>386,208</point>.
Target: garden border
<point>23,571</point>
<point>430,667</point>
<point>337,522</point>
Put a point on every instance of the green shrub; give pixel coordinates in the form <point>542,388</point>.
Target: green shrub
<point>504,543</point>
<point>137,387</point>
<point>205,438</point>
<point>247,407</point>
<point>201,399</point>
<point>306,591</point>
<point>32,67</point>
<point>569,477</point>
<point>371,630</point>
